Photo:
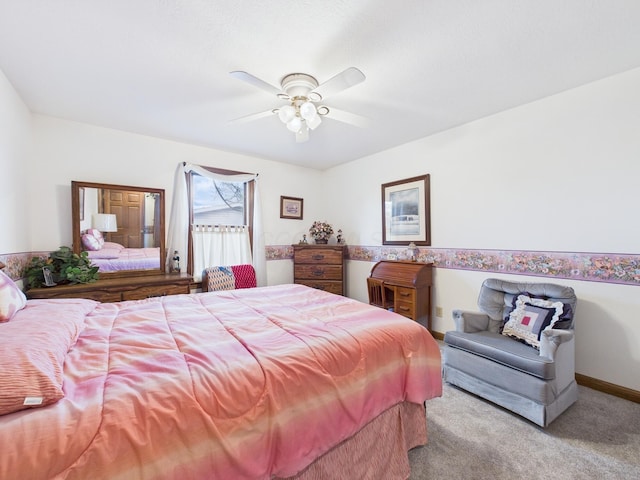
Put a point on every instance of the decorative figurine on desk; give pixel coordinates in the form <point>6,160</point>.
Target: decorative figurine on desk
<point>176,262</point>
<point>339,237</point>
<point>304,240</point>
<point>413,251</point>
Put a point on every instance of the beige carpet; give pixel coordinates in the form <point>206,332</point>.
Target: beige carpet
<point>469,438</point>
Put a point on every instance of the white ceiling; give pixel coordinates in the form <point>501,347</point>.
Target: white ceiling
<point>161,67</point>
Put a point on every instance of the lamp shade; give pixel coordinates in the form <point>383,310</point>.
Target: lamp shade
<point>105,222</point>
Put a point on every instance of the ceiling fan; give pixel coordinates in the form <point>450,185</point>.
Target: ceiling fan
<point>303,95</point>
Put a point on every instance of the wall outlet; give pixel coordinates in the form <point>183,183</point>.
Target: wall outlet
<point>439,312</point>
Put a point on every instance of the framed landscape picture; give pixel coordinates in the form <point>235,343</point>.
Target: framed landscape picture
<point>406,212</point>
<point>291,207</point>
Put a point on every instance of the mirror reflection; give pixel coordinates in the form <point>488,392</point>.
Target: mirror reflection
<point>121,227</point>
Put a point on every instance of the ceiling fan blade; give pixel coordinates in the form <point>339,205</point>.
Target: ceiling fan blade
<point>347,117</point>
<point>350,77</point>
<point>255,81</point>
<point>252,117</point>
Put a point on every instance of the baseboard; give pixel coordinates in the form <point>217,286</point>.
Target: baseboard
<point>610,388</point>
<point>437,335</point>
<point>590,382</point>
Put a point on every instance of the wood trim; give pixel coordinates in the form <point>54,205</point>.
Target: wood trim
<point>590,382</point>
<point>437,335</point>
<point>610,388</point>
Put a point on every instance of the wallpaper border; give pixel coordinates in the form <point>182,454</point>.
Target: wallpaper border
<point>594,267</point>
<point>615,268</point>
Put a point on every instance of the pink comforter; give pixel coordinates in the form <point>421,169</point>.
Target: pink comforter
<point>241,384</point>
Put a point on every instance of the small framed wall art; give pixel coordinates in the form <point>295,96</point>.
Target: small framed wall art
<point>406,212</point>
<point>291,207</point>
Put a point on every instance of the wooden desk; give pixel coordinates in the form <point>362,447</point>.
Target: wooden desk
<point>407,287</point>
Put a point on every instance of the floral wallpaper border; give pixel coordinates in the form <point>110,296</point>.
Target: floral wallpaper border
<point>595,267</point>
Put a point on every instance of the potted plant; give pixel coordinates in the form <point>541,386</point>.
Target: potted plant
<point>321,231</point>
<point>65,267</point>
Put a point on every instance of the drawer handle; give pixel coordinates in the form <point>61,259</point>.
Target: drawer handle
<point>318,273</point>
<point>405,294</point>
<point>318,257</point>
<point>404,309</point>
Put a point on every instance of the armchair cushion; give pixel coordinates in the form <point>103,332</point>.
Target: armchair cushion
<point>530,317</point>
<point>503,350</point>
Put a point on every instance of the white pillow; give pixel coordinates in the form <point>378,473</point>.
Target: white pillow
<point>11,298</point>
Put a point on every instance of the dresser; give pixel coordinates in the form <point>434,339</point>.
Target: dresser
<point>320,266</point>
<point>119,289</point>
<point>406,288</point>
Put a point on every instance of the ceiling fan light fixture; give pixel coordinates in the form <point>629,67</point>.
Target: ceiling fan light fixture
<point>323,110</point>
<point>308,110</point>
<point>314,121</point>
<point>287,113</point>
<point>302,135</point>
<point>295,124</point>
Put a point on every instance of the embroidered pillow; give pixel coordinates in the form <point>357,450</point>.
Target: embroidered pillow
<point>11,298</point>
<point>530,317</point>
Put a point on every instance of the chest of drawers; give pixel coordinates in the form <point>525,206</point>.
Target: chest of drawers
<point>119,289</point>
<point>320,266</point>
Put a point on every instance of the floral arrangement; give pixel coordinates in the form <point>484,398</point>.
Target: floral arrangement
<point>321,230</point>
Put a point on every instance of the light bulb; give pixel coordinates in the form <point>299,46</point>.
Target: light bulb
<point>295,124</point>
<point>314,122</point>
<point>308,111</point>
<point>286,113</point>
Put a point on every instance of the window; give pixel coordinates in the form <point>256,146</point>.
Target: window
<point>217,202</point>
<point>221,220</point>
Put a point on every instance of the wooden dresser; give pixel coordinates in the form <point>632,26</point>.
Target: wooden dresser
<point>119,289</point>
<point>407,286</point>
<point>320,266</point>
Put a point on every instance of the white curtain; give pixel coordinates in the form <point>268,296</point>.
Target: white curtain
<point>177,234</point>
<point>219,245</point>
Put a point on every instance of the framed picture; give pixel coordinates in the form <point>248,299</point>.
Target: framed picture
<point>406,212</point>
<point>291,207</point>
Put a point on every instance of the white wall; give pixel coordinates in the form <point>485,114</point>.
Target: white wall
<point>560,174</point>
<point>15,133</point>
<point>64,151</point>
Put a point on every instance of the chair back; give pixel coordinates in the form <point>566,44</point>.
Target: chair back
<point>228,277</point>
<point>497,299</point>
<point>376,292</point>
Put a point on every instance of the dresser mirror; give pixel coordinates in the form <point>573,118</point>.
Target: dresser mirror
<point>121,227</point>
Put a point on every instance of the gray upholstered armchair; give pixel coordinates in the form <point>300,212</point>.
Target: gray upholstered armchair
<point>532,371</point>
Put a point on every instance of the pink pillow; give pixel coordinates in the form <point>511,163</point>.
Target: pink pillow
<point>90,242</point>
<point>11,298</point>
<point>33,347</point>
<point>112,246</point>
<point>96,233</point>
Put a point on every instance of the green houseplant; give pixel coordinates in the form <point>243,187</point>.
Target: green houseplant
<point>66,267</point>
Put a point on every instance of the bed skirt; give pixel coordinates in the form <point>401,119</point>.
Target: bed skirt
<point>378,451</point>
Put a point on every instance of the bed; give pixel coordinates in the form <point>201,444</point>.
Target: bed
<point>115,257</point>
<point>273,382</point>
<point>118,259</point>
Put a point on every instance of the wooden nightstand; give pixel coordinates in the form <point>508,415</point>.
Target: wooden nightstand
<point>320,266</point>
<point>119,289</point>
